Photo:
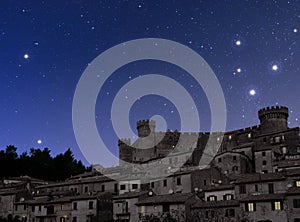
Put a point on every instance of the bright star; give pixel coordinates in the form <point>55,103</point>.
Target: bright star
<point>274,67</point>
<point>295,30</point>
<point>39,141</point>
<point>26,56</point>
<point>239,70</point>
<point>238,42</point>
<point>252,92</point>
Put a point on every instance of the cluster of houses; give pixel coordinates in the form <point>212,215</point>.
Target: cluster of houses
<point>255,176</point>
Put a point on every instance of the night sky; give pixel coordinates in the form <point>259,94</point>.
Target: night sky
<point>252,46</point>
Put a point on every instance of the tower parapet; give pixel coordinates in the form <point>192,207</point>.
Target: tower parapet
<point>274,118</point>
<point>145,127</point>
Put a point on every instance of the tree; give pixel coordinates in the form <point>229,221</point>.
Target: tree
<point>39,164</point>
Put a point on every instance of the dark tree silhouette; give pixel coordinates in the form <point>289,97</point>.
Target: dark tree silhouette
<point>39,164</point>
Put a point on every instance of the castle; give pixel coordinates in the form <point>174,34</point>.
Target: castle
<point>271,136</point>
<point>253,176</point>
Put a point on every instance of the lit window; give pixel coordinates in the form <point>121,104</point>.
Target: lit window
<point>230,137</point>
<point>249,135</point>
<point>250,207</point>
<point>277,205</point>
<point>284,150</point>
<point>298,183</point>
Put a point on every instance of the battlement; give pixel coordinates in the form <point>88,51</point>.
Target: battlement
<point>145,127</point>
<point>273,118</point>
<point>273,110</point>
<point>145,122</point>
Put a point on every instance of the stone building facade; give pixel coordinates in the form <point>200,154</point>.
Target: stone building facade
<point>255,176</point>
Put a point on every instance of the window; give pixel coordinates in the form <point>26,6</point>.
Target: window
<point>50,210</point>
<point>122,187</point>
<point>134,186</point>
<point>86,189</point>
<point>204,182</point>
<point>296,219</point>
<point>235,168</point>
<point>116,188</point>
<point>16,207</point>
<point>249,135</point>
<point>32,208</point>
<point>152,184</point>
<point>25,206</point>
<point>264,163</point>
<point>40,208</point>
<point>229,213</point>
<point>212,198</point>
<point>242,189</point>
<point>256,187</point>
<point>220,160</point>
<point>229,137</point>
<point>263,153</point>
<point>296,203</point>
<point>102,188</point>
<point>74,219</point>
<point>166,208</point>
<point>165,183</point>
<point>277,205</point>
<point>250,207</point>
<point>178,181</point>
<point>264,171</point>
<point>277,139</point>
<point>234,158</point>
<point>271,187</point>
<point>284,150</point>
<point>125,207</point>
<point>62,219</point>
<point>228,197</point>
<point>75,206</point>
<point>62,207</point>
<point>91,205</point>
<point>298,183</point>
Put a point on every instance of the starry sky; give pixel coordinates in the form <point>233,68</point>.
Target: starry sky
<point>252,46</point>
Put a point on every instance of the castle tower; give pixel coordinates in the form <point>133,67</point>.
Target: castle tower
<point>273,118</point>
<point>145,127</point>
<point>125,151</point>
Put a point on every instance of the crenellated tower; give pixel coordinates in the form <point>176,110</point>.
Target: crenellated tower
<point>125,150</point>
<point>145,127</point>
<point>273,118</point>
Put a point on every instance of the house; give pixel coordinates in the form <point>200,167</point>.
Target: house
<point>219,203</point>
<point>176,206</point>
<point>124,206</point>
